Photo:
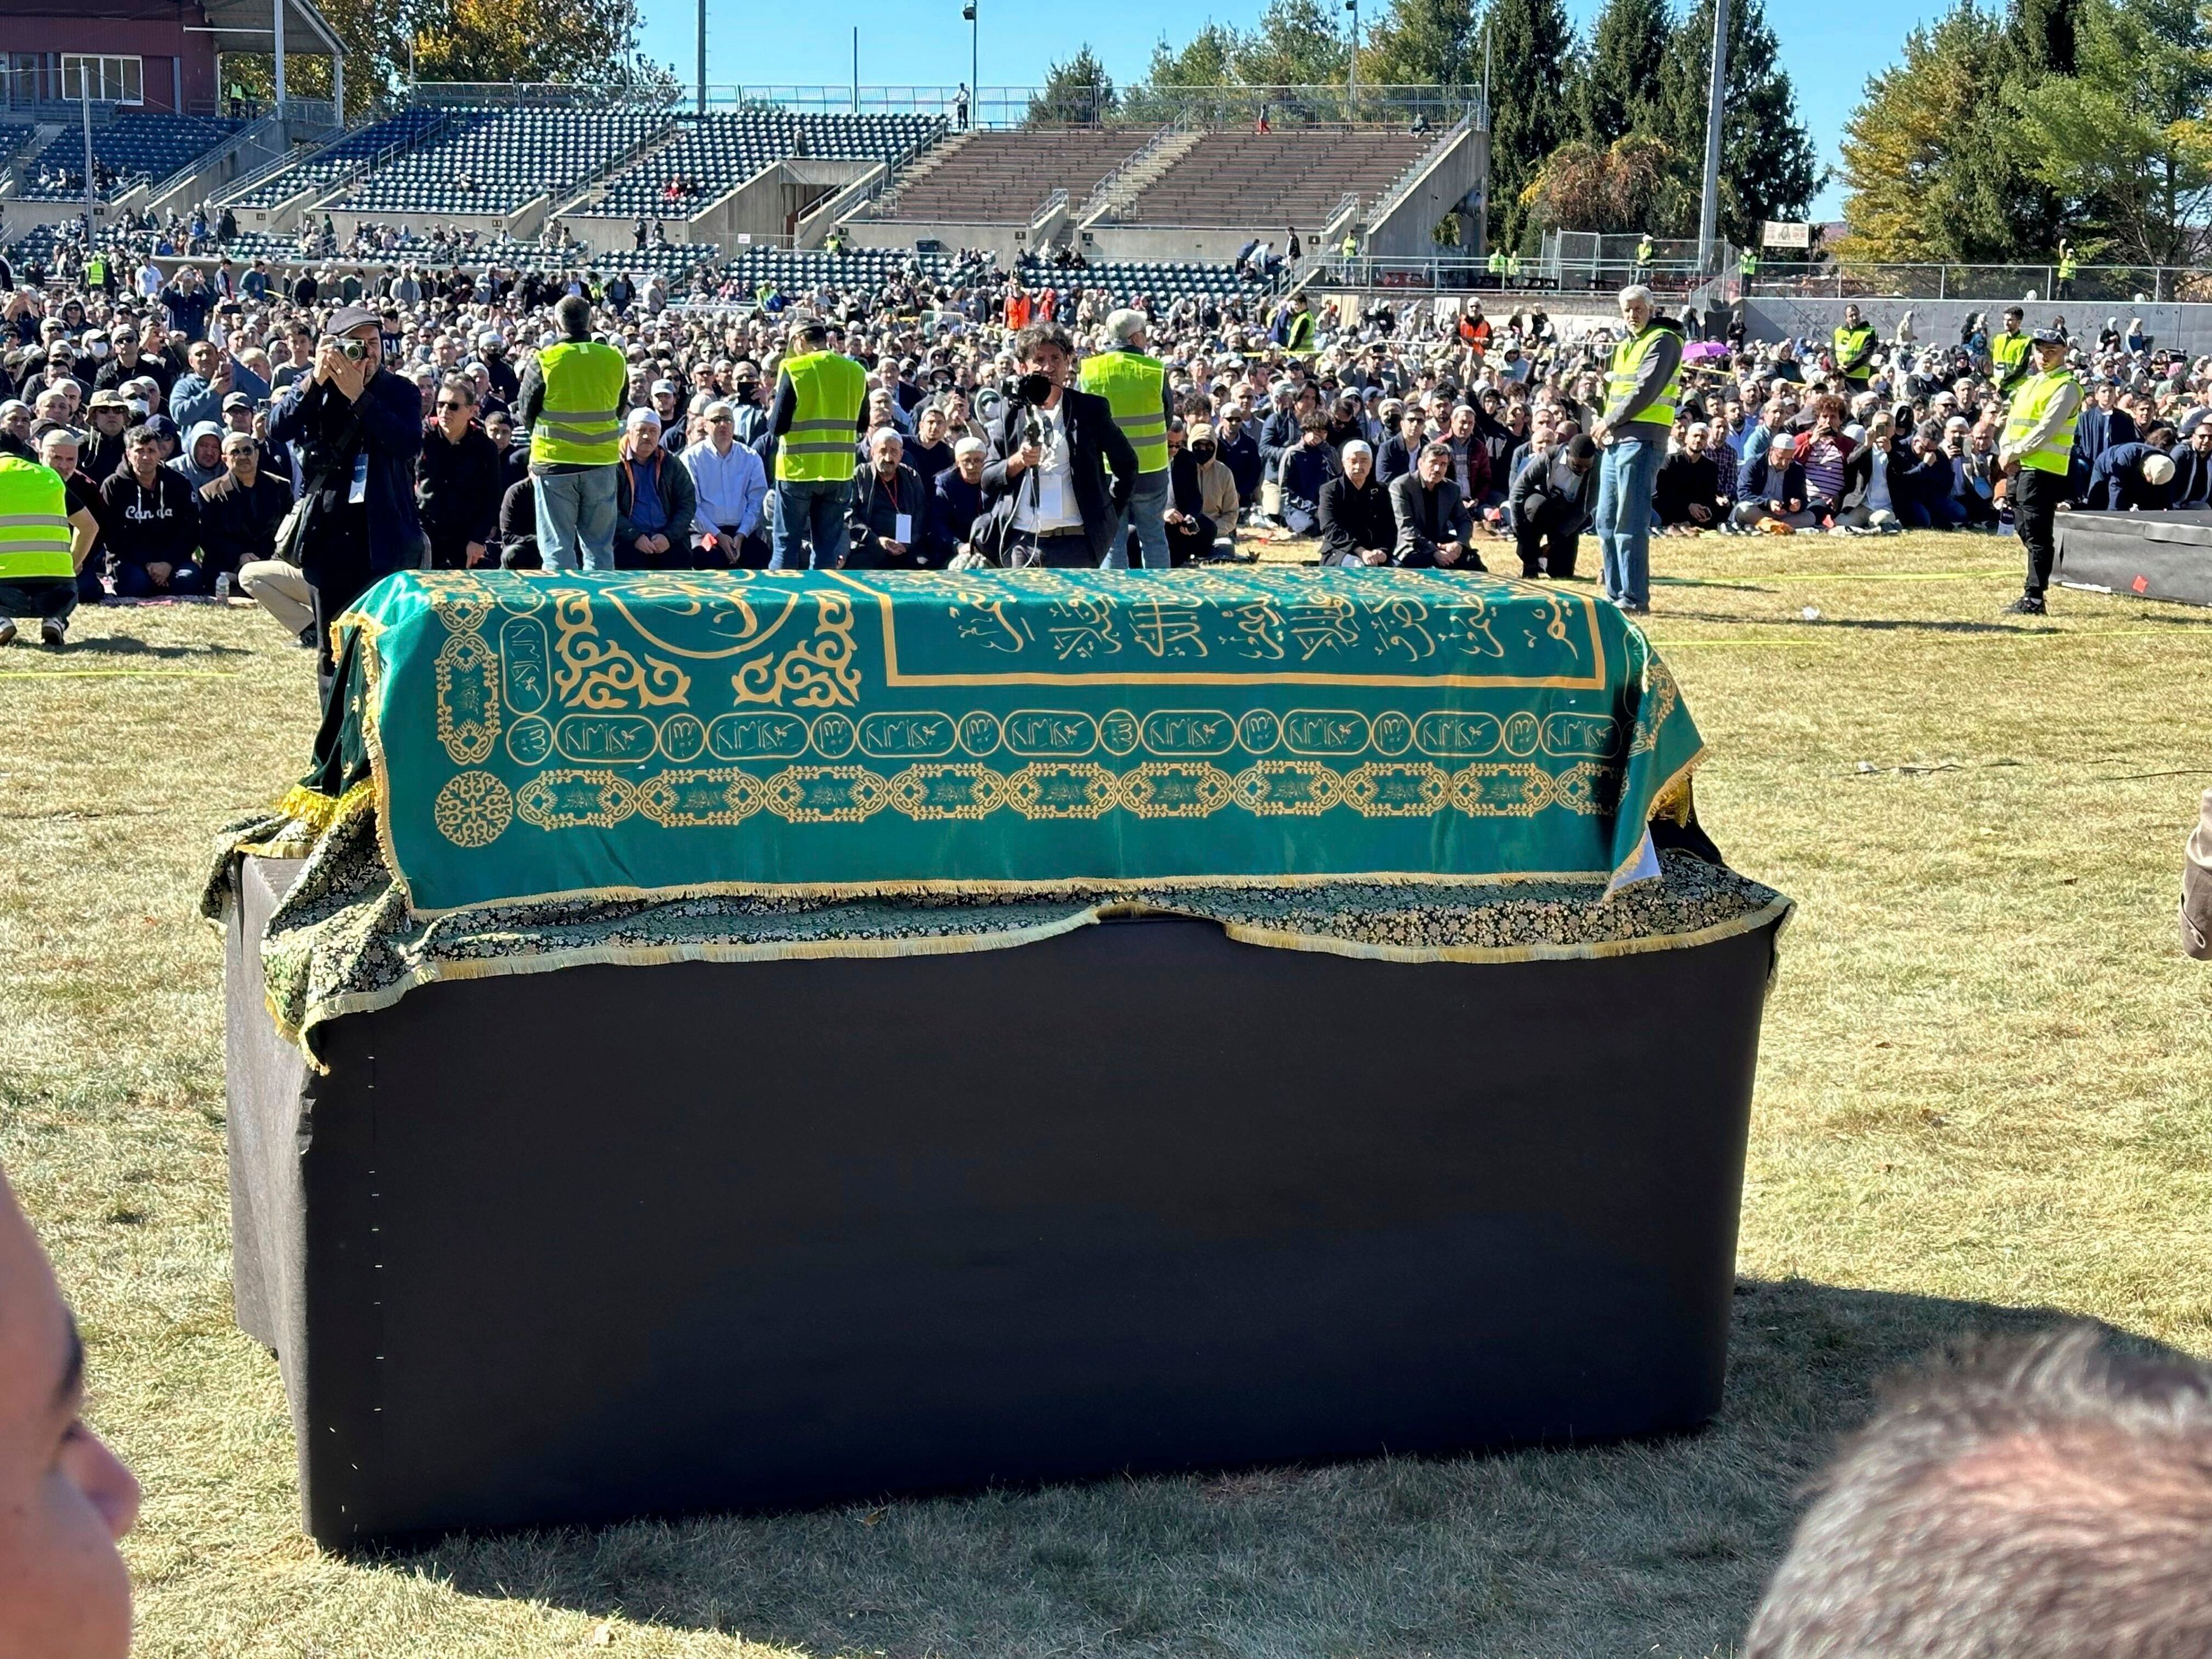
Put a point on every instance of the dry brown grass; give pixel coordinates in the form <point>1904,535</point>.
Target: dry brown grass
<point>1983,1098</point>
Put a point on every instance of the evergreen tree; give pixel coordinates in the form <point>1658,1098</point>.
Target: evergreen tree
<point>1424,43</point>
<point>1298,43</point>
<point>1529,118</point>
<point>2039,36</point>
<point>1768,168</point>
<point>1615,91</point>
<point>1077,93</point>
<point>1206,59</point>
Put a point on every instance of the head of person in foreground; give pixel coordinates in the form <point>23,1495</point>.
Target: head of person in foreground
<point>65,1499</point>
<point>2050,1499</point>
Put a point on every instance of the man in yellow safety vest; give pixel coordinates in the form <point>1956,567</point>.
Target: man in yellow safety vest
<point>820,411</point>
<point>2034,454</point>
<point>43,545</point>
<point>1855,341</point>
<point>1642,389</point>
<point>1135,386</point>
<point>573,401</point>
<point>2009,353</point>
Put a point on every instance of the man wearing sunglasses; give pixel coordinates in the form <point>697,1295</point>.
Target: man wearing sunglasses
<point>457,482</point>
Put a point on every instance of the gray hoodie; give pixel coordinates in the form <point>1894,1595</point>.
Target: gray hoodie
<point>195,474</point>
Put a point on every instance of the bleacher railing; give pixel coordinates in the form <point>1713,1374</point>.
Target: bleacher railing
<point>1387,203</point>
<point>2117,285</point>
<point>1004,107</point>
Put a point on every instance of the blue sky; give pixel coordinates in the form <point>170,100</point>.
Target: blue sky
<point>1829,50</point>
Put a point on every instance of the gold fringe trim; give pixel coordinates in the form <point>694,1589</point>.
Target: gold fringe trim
<point>980,887</point>
<point>1663,802</point>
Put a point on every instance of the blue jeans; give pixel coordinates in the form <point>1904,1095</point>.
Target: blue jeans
<point>576,518</point>
<point>1148,508</point>
<point>812,510</point>
<point>1624,478</point>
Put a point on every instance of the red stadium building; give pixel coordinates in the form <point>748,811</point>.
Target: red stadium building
<point>158,56</point>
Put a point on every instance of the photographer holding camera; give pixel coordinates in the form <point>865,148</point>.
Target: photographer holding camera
<point>1052,447</point>
<point>356,430</point>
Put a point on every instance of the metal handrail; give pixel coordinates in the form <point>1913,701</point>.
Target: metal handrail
<point>1100,199</point>
<point>1387,203</point>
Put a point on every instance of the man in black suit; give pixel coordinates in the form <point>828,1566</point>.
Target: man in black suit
<point>1052,447</point>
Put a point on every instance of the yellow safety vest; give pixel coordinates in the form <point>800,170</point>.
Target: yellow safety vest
<point>1643,252</point>
<point>34,525</point>
<point>96,273</point>
<point>1748,264</point>
<point>581,424</point>
<point>1849,343</point>
<point>832,390</point>
<point>1497,263</point>
<point>2008,352</point>
<point>2029,405</point>
<point>1627,358</point>
<point>2067,267</point>
<point>1133,384</point>
<point>1299,341</point>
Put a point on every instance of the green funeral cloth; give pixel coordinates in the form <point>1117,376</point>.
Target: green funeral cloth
<point>836,734</point>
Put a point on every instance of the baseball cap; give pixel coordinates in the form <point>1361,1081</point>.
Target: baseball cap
<point>668,386</point>
<point>237,400</point>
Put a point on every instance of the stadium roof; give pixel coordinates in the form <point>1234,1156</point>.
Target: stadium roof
<point>249,26</point>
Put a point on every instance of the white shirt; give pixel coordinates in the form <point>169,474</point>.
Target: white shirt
<point>149,281</point>
<point>1048,504</point>
<point>729,486</point>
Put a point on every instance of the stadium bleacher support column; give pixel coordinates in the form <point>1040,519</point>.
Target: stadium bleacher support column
<point>280,58</point>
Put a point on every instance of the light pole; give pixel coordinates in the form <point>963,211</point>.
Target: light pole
<point>703,56</point>
<point>1709,208</point>
<point>1351,73</point>
<point>975,60</point>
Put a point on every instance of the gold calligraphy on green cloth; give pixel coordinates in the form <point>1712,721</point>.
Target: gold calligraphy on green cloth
<point>830,731</point>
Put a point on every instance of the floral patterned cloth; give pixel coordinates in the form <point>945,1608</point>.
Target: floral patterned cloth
<point>343,940</point>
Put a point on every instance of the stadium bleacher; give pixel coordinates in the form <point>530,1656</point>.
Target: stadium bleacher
<point>1003,178</point>
<point>327,165</point>
<point>504,162</point>
<point>1268,180</point>
<point>799,271</point>
<point>13,134</point>
<point>1162,280</point>
<point>717,153</point>
<point>137,147</point>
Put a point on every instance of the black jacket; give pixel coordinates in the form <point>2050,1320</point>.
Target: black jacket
<point>1096,446</point>
<point>876,509</point>
<point>1354,519</point>
<point>457,486</point>
<point>1538,504</point>
<point>240,525</point>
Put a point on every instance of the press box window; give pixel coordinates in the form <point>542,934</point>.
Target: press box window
<point>109,80</point>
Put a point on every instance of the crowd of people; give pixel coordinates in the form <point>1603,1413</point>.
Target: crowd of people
<point>1422,434</point>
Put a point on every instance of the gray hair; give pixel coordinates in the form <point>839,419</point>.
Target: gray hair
<point>1634,291</point>
<point>2040,1498</point>
<point>1360,444</point>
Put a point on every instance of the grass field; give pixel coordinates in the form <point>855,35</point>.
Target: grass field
<point>1983,1103</point>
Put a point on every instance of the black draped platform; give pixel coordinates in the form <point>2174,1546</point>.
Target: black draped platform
<point>2154,555</point>
<point>612,1241</point>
